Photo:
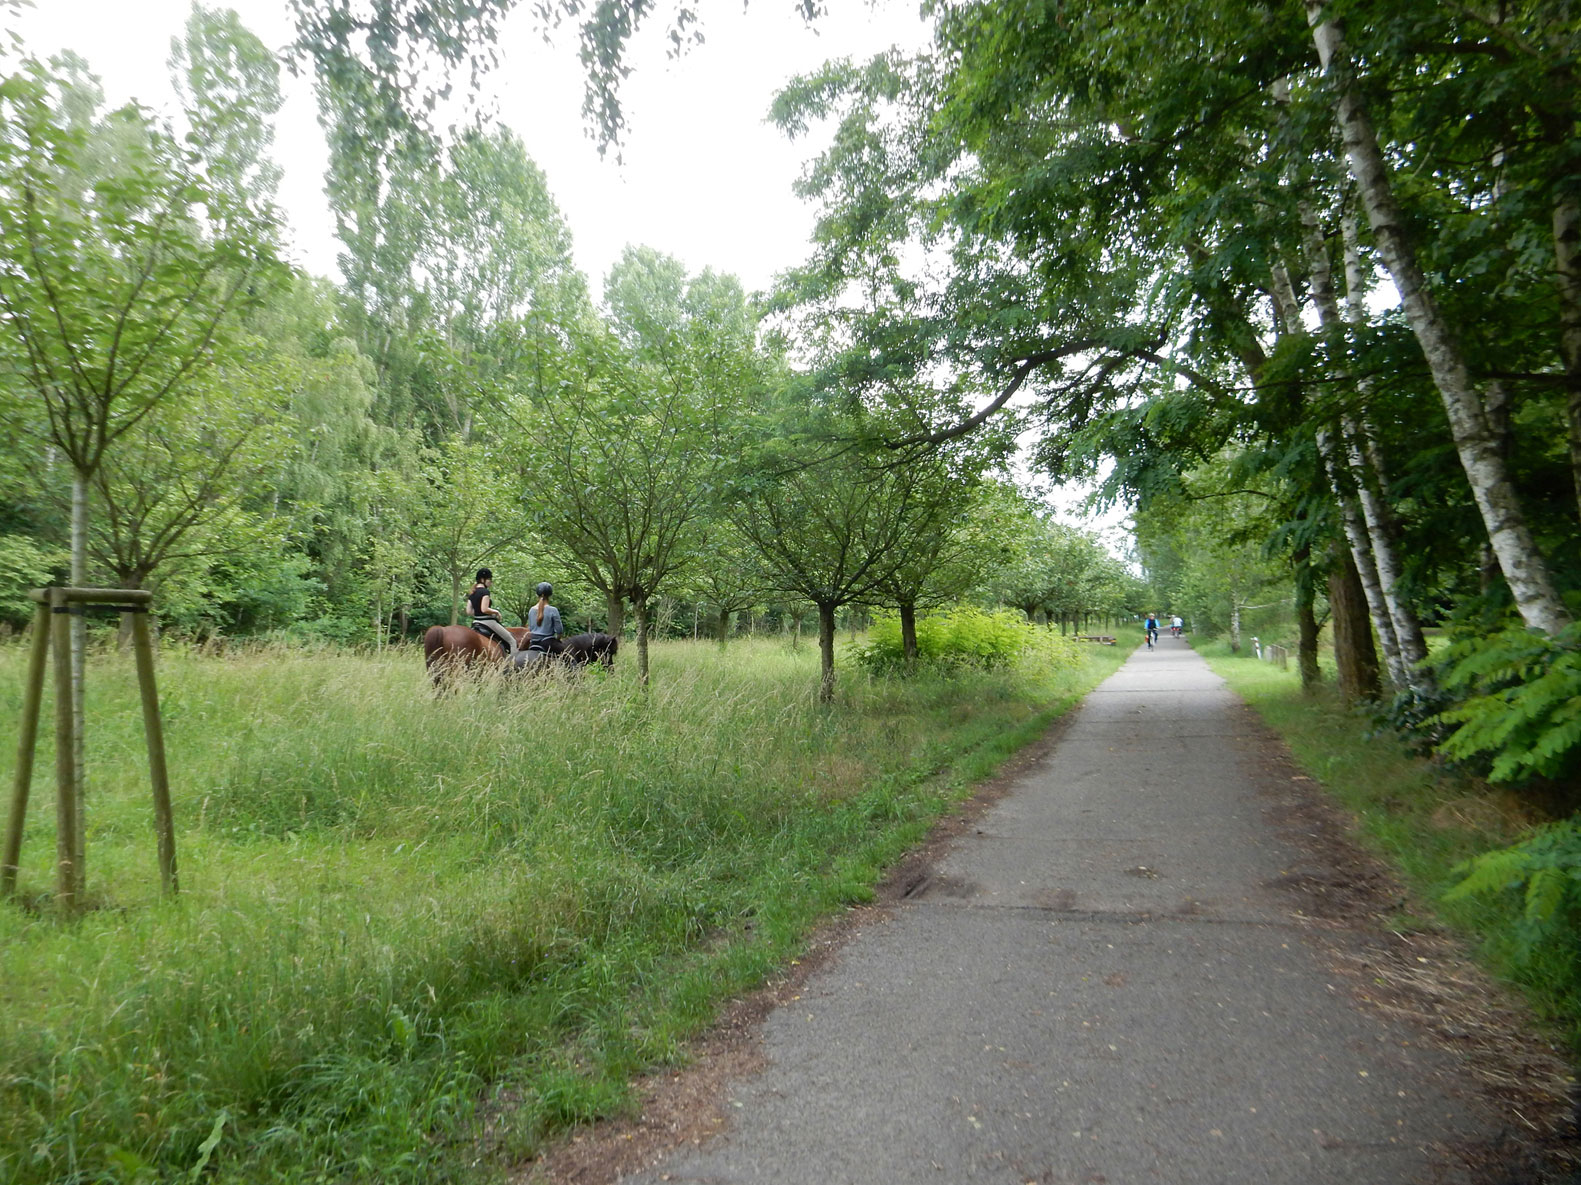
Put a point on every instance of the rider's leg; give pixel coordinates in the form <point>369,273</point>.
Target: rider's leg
<point>501,635</point>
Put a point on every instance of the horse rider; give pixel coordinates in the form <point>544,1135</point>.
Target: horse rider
<point>543,620</point>
<point>485,617</point>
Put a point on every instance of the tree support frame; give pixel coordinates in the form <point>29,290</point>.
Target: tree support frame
<point>52,624</point>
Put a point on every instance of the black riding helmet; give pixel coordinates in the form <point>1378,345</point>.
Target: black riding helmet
<point>545,589</point>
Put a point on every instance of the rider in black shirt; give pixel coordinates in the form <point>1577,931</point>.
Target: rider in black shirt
<point>485,618</point>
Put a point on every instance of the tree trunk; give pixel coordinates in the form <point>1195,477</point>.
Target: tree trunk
<point>1361,561</point>
<point>617,613</point>
<point>796,619</point>
<point>455,597</point>
<point>826,653</point>
<point>639,605</point>
<point>79,665</point>
<point>1383,530</point>
<point>1306,621</point>
<point>1405,630</point>
<point>724,626</point>
<point>1235,624</point>
<point>908,635</point>
<point>1525,570</point>
<point>1355,657</point>
<point>1567,255</point>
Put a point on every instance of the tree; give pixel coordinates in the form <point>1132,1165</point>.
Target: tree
<point>636,441</point>
<point>184,487</point>
<point>122,273</point>
<point>465,513</point>
<point>830,521</point>
<point>952,538</point>
<point>1536,595</point>
<point>726,574</point>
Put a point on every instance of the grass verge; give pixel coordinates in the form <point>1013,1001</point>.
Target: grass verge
<point>399,907</point>
<point>1424,820</point>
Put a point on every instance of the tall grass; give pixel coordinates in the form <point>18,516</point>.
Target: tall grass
<point>403,910</point>
<point>1425,820</point>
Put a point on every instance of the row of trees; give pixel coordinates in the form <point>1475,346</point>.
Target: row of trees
<point>271,452</point>
<point>1298,280</point>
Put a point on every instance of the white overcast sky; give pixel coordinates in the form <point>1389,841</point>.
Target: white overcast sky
<point>703,176</point>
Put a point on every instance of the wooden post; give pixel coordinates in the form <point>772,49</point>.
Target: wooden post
<point>65,757</point>
<point>164,823</point>
<point>27,743</point>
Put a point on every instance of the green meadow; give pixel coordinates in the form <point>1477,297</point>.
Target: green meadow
<point>403,914</point>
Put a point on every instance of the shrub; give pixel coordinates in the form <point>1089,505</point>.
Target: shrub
<point>965,635</point>
<point>1545,868</point>
<point>1516,703</point>
<point>25,563</point>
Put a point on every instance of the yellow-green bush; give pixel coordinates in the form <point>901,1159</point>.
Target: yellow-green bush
<point>964,635</point>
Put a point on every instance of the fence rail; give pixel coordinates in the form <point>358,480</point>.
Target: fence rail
<point>1271,652</point>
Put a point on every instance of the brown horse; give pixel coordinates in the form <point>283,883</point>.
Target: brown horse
<point>450,649</point>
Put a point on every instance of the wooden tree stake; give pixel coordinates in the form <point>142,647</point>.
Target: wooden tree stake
<point>164,821</point>
<point>27,743</point>
<point>65,756</point>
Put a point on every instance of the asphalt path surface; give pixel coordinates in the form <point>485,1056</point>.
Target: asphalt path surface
<point>1106,983</point>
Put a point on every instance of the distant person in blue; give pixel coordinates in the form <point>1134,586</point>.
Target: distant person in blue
<point>1152,629</point>
<point>543,620</point>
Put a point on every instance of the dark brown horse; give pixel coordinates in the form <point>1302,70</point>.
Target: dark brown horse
<point>586,649</point>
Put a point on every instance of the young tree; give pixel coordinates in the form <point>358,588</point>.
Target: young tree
<point>467,510</point>
<point>633,447</point>
<point>830,521</point>
<point>123,272</point>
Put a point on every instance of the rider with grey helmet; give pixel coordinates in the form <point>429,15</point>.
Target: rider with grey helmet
<point>543,620</point>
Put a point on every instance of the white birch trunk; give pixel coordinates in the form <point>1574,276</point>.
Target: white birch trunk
<point>1523,566</point>
<point>1361,554</point>
<point>1382,531</point>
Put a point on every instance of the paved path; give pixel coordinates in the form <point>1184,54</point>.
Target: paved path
<point>1104,984</point>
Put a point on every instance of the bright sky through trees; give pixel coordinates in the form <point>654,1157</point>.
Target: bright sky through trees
<point>703,177</point>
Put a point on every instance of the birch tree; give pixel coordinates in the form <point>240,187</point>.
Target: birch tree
<point>1523,565</point>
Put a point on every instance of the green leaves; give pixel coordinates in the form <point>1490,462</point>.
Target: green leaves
<point>1519,703</point>
<point>1546,868</point>
<point>120,278</point>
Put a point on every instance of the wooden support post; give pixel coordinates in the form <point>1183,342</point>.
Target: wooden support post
<point>27,743</point>
<point>164,822</point>
<point>65,757</point>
